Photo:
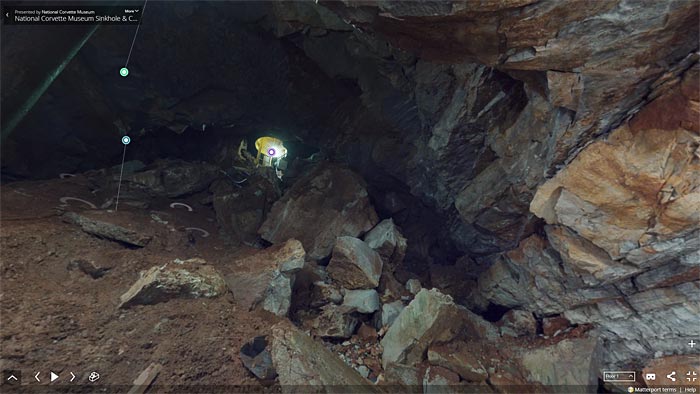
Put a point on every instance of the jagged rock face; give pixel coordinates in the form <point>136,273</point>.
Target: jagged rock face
<point>633,193</point>
<point>473,137</point>
<point>629,206</point>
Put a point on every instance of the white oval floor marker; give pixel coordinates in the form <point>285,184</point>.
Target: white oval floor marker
<point>205,233</point>
<point>175,204</point>
<point>65,175</point>
<point>64,200</point>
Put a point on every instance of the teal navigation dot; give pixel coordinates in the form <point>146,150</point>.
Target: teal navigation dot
<point>124,71</point>
<point>126,140</point>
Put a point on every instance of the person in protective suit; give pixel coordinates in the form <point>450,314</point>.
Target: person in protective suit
<point>271,151</point>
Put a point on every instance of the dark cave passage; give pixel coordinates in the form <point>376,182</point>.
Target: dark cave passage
<point>461,193</point>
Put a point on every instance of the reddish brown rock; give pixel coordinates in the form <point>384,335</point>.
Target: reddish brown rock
<point>635,189</point>
<point>354,265</point>
<point>551,325</point>
<point>367,332</point>
<point>328,202</point>
<point>458,357</point>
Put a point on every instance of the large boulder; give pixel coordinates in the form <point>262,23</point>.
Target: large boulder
<point>180,279</point>
<point>388,241</point>
<point>306,366</point>
<point>265,278</point>
<point>459,357</point>
<point>241,209</point>
<point>431,317</point>
<point>361,301</point>
<point>354,264</point>
<point>328,202</point>
<point>390,311</point>
<point>100,225</point>
<point>168,178</point>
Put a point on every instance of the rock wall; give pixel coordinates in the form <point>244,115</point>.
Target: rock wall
<point>504,115</point>
<point>622,245</point>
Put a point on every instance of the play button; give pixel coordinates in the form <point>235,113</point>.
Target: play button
<point>53,376</point>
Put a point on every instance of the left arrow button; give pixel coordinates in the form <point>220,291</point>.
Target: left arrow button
<point>37,377</point>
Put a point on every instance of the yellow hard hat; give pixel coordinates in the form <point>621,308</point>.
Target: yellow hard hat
<point>271,147</point>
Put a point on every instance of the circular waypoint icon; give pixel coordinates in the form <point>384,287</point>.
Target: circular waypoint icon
<point>124,71</point>
<point>126,140</point>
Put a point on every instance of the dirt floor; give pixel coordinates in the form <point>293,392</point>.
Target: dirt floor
<point>57,318</point>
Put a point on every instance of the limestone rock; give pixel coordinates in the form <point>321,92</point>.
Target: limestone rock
<point>388,241</point>
<point>430,318</point>
<point>304,365</point>
<point>361,301</point>
<point>516,323</point>
<point>457,356</point>
<point>584,256</point>
<point>334,322</point>
<point>191,279</point>
<point>328,202</point>
<point>390,312</point>
<point>636,190</point>
<point>574,362</point>
<point>105,229</point>
<point>265,278</point>
<point>667,275</point>
<point>537,43</point>
<point>354,265</point>
<point>170,178</point>
<point>564,89</point>
<point>657,321</point>
<point>532,277</point>
<point>413,286</point>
